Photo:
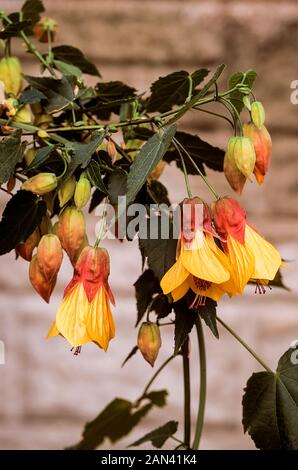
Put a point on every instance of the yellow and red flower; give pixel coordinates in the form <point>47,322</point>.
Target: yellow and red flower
<point>85,314</point>
<point>250,255</point>
<point>201,265</point>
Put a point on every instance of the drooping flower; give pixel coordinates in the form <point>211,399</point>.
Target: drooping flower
<point>85,314</point>
<point>239,162</point>
<point>262,143</point>
<point>250,255</point>
<point>201,265</point>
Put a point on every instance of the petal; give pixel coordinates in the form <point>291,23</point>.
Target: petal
<point>72,316</point>
<point>181,290</point>
<point>267,258</point>
<point>100,325</point>
<point>203,261</point>
<point>241,266</point>
<point>174,277</point>
<point>53,331</point>
<point>214,292</point>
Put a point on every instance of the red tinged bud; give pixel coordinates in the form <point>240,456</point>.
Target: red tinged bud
<point>45,27</point>
<point>262,143</point>
<point>49,256</point>
<point>43,287</point>
<point>196,216</point>
<point>93,270</point>
<point>25,250</point>
<point>229,218</point>
<point>71,231</point>
<point>234,176</point>
<point>112,151</point>
<point>149,341</point>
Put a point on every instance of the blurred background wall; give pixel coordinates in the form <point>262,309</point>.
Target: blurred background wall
<point>46,393</point>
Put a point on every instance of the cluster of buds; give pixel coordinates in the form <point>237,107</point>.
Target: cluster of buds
<point>249,154</point>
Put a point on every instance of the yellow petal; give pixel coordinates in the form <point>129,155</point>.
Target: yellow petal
<point>267,258</point>
<point>203,261</point>
<point>72,316</point>
<point>174,277</point>
<point>214,292</point>
<point>100,325</point>
<point>53,331</point>
<point>181,290</point>
<point>241,267</point>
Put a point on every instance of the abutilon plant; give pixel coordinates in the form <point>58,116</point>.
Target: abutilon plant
<point>67,147</point>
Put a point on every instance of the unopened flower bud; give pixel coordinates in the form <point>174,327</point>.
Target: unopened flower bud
<point>45,27</point>
<point>149,341</point>
<point>82,192</point>
<point>49,256</point>
<point>11,75</point>
<point>11,184</point>
<point>257,113</point>
<point>158,170</point>
<point>30,155</point>
<point>244,156</point>
<point>23,115</point>
<point>25,250</point>
<point>262,143</point>
<point>232,173</point>
<point>112,151</point>
<point>39,282</point>
<point>71,231</point>
<point>40,184</point>
<point>66,191</point>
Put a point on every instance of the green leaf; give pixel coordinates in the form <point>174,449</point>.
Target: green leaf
<point>146,160</point>
<point>97,197</point>
<point>184,322</point>
<point>12,30</point>
<point>73,56</point>
<point>31,96</point>
<point>145,287</point>
<point>130,355</point>
<point>95,176</point>
<point>208,313</point>
<point>41,157</point>
<point>158,436</point>
<point>270,406</point>
<point>157,397</point>
<point>59,93</point>
<point>117,420</point>
<point>236,96</point>
<point>173,89</point>
<point>161,306</point>
<point>110,97</point>
<point>82,153</point>
<point>67,69</point>
<point>198,95</point>
<point>158,193</point>
<point>11,152</point>
<point>201,152</point>
<point>117,186</point>
<point>31,11</point>
<point>22,214</point>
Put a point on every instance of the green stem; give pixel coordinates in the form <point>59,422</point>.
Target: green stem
<point>187,184</point>
<point>244,344</point>
<point>197,168</point>
<point>187,398</point>
<point>203,385</point>
<point>215,114</point>
<point>32,130</point>
<point>155,376</point>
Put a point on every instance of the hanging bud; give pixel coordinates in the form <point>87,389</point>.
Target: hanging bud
<point>49,256</point>
<point>158,170</point>
<point>244,156</point>
<point>82,192</point>
<point>11,184</point>
<point>262,143</point>
<point>112,151</point>
<point>30,155</point>
<point>71,231</point>
<point>45,226</point>
<point>149,341</point>
<point>257,113</point>
<point>11,75</point>
<point>232,173</point>
<point>39,282</point>
<point>45,27</point>
<point>66,191</point>
<point>40,184</point>
<point>25,250</point>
